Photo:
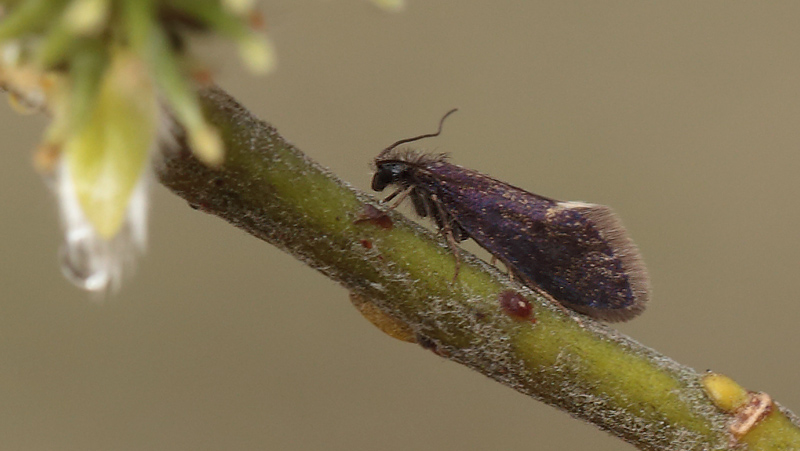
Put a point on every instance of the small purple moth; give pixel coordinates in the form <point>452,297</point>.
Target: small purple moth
<point>579,253</point>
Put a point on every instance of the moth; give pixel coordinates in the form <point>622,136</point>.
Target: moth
<point>578,253</point>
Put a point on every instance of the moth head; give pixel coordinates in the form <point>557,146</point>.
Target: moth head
<point>394,166</point>
<point>390,173</point>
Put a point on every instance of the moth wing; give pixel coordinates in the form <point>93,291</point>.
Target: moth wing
<point>608,226</point>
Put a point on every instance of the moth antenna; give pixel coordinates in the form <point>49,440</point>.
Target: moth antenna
<point>416,138</point>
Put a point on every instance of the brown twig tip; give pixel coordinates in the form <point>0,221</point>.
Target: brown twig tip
<point>747,417</point>
<point>753,419</point>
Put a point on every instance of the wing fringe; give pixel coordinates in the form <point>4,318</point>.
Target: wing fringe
<point>613,232</point>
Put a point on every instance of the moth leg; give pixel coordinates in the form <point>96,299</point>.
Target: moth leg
<point>420,204</point>
<point>509,272</point>
<point>454,246</point>
<point>434,211</point>
<point>403,193</point>
<point>447,230</point>
<point>458,232</point>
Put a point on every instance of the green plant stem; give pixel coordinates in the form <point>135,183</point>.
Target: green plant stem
<point>270,189</point>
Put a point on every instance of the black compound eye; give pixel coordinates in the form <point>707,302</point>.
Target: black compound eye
<point>381,179</point>
<point>386,175</point>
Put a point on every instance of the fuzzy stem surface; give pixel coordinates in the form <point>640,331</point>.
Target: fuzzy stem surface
<point>270,189</point>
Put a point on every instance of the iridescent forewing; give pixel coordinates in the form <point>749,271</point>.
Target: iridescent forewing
<point>578,253</point>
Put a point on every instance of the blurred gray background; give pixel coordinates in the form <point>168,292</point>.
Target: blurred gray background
<point>682,115</point>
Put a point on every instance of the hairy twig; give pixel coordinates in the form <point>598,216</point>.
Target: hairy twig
<point>270,189</point>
